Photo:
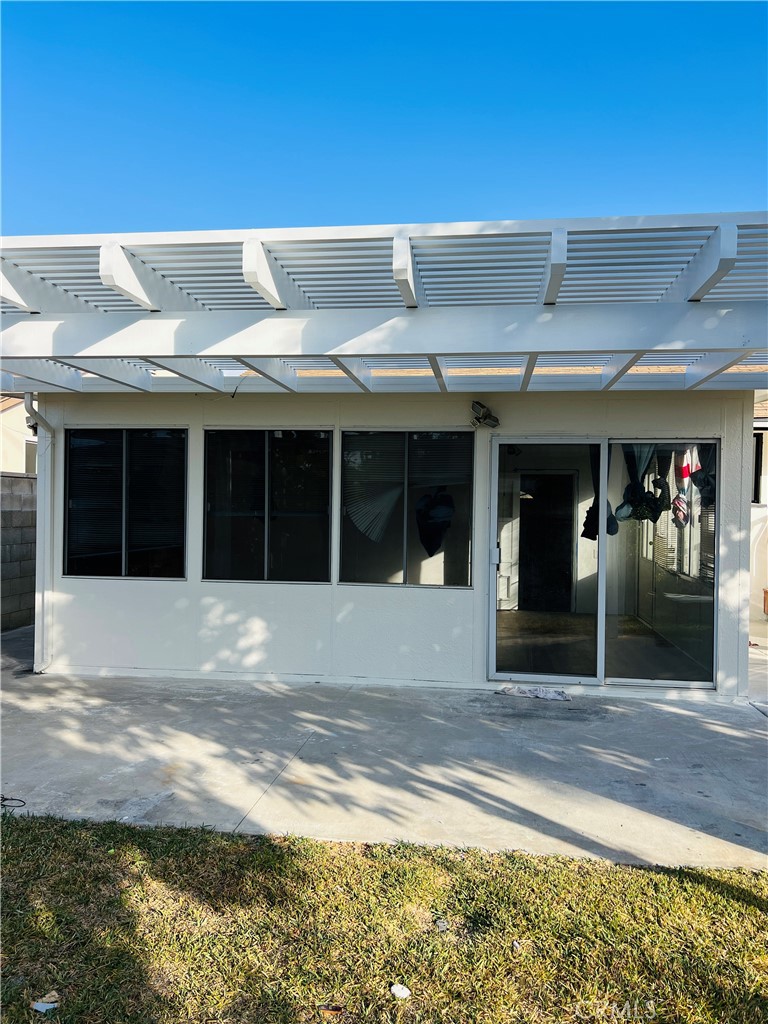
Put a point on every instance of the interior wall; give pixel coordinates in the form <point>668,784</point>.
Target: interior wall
<point>562,458</point>
<point>339,631</point>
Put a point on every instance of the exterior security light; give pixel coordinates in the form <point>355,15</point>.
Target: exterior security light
<point>482,416</point>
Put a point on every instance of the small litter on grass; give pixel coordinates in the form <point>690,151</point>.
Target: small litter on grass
<point>441,924</point>
<point>543,692</point>
<point>400,991</point>
<point>50,1001</point>
<point>328,1011</point>
<point>515,945</point>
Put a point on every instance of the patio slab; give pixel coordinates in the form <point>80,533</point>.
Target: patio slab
<point>641,781</point>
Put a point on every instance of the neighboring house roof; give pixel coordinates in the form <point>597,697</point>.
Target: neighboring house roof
<point>660,303</point>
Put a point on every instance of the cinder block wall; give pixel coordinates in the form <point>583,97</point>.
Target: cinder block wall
<point>18,516</point>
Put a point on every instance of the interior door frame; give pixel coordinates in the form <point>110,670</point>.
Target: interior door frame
<point>573,474</point>
<point>495,556</point>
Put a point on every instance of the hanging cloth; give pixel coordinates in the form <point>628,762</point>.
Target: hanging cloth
<point>639,503</point>
<point>591,522</point>
<point>704,477</point>
<point>686,462</point>
<point>433,518</point>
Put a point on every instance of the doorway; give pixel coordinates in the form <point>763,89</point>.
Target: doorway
<point>546,581</point>
<point>618,589</point>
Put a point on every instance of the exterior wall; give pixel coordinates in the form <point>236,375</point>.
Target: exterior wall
<point>338,631</point>
<point>18,498</point>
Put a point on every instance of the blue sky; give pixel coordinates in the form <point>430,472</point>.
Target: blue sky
<point>174,116</point>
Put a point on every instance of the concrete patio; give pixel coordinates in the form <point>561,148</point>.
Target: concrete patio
<point>643,781</point>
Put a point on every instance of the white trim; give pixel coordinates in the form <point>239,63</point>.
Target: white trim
<point>376,231</point>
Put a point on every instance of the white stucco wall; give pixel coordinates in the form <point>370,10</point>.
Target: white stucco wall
<point>338,631</point>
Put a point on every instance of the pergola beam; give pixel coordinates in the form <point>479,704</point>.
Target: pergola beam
<point>715,259</point>
<point>615,369</point>
<point>126,274</point>
<point>265,275</point>
<point>31,294</point>
<point>274,370</point>
<point>119,371</point>
<point>197,372</point>
<point>703,370</point>
<point>554,268</point>
<point>439,371</point>
<point>45,372</point>
<point>527,374</point>
<point>594,329</point>
<point>406,273</point>
<point>9,292</point>
<point>357,371</point>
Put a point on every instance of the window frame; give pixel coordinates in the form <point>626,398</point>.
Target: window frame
<point>267,430</point>
<point>473,511</point>
<point>71,428</point>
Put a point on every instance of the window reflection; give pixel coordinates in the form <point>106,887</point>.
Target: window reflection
<point>661,561</point>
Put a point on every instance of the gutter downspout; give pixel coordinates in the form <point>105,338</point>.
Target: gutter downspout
<point>44,535</point>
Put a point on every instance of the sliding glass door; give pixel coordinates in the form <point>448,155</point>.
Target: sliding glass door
<point>660,621</point>
<point>546,584</point>
<point>618,590</point>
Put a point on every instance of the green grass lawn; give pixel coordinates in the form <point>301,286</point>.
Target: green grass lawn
<point>167,925</point>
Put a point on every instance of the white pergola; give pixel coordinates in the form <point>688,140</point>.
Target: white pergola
<point>633,303</point>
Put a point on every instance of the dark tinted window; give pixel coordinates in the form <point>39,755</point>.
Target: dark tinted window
<point>95,502</point>
<point>268,505</point>
<point>235,462</point>
<point>155,502</point>
<point>406,507</point>
<point>125,502</point>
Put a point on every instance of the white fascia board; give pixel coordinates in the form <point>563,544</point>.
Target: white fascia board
<point>196,372</point>
<point>275,370</point>
<point>265,275</point>
<point>119,371</point>
<point>45,372</point>
<point>703,370</point>
<point>31,294</point>
<point>554,269</point>
<point>357,371</point>
<point>406,273</point>
<point>378,231</point>
<point>125,273</point>
<point>600,328</point>
<point>715,259</point>
<point>615,369</point>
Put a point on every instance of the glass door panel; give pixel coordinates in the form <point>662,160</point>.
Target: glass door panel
<point>546,596</point>
<point>660,620</point>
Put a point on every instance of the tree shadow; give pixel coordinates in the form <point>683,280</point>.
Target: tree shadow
<point>73,928</point>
